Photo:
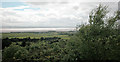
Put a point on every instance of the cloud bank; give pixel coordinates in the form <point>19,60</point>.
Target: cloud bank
<point>48,14</point>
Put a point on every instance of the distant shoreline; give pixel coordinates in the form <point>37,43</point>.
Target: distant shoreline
<point>7,30</point>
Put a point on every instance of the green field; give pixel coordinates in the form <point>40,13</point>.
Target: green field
<point>63,35</point>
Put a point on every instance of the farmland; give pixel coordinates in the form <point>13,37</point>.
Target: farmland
<point>64,35</point>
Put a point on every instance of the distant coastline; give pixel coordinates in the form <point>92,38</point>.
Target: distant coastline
<point>5,30</point>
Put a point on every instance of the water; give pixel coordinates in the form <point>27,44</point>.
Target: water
<point>35,29</point>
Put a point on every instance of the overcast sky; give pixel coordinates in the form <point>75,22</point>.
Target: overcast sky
<point>44,13</point>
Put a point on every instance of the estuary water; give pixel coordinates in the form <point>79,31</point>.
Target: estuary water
<point>35,29</point>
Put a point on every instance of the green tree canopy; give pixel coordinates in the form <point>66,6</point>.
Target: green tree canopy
<point>97,40</point>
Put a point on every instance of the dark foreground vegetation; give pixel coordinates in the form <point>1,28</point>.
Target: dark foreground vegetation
<point>98,40</point>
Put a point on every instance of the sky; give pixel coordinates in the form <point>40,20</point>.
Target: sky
<point>47,13</point>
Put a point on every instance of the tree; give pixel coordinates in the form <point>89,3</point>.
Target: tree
<point>97,40</point>
<point>23,44</point>
<point>10,51</point>
<point>21,54</point>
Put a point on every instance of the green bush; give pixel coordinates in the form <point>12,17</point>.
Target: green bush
<point>97,40</point>
<point>21,54</point>
<point>10,51</point>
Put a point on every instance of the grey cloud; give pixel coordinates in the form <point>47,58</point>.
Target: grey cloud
<point>76,7</point>
<point>112,6</point>
<point>46,3</point>
<point>119,5</point>
<point>38,3</point>
<point>7,17</point>
<point>53,22</point>
<point>7,13</point>
<point>11,20</point>
<point>63,22</point>
<point>63,2</point>
<point>85,6</point>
